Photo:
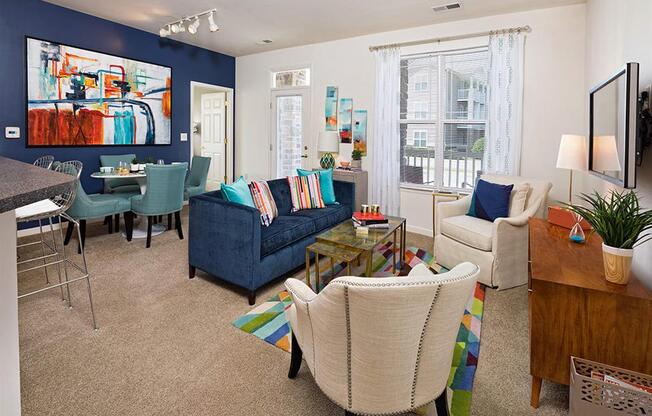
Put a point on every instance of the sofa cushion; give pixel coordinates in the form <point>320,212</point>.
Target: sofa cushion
<point>280,189</point>
<point>490,200</point>
<point>325,217</point>
<point>284,231</point>
<point>472,231</point>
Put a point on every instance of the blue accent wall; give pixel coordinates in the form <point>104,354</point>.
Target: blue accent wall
<point>38,19</point>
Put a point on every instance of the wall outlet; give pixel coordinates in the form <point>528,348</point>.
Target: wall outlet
<point>184,137</point>
<point>12,132</point>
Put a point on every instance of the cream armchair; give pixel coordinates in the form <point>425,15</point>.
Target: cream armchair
<point>378,346</point>
<point>500,248</point>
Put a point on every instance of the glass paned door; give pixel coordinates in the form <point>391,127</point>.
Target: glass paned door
<point>289,120</point>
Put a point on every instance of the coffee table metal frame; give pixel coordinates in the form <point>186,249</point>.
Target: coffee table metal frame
<point>342,244</point>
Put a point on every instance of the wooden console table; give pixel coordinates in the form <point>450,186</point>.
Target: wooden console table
<point>573,310</point>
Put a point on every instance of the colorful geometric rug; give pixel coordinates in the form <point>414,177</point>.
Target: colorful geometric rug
<point>268,322</point>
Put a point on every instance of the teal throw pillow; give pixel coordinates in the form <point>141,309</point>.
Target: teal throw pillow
<point>325,184</point>
<point>238,192</point>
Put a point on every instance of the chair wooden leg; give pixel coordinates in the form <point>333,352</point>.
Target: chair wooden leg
<point>69,230</point>
<point>82,232</point>
<point>106,220</point>
<point>295,359</point>
<point>191,271</point>
<point>116,220</point>
<point>251,297</point>
<point>441,404</point>
<point>129,224</point>
<point>177,220</point>
<point>169,221</point>
<point>150,220</point>
<point>110,224</point>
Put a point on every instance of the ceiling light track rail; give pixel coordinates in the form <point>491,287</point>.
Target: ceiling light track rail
<point>189,23</point>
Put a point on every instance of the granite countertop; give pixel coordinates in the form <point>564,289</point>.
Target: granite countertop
<point>22,183</point>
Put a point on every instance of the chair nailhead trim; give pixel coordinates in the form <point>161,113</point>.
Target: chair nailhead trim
<point>348,346</point>
<point>423,334</point>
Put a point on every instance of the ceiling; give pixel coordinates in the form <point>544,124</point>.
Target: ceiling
<point>291,22</point>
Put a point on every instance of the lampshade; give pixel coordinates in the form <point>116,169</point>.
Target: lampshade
<point>329,141</point>
<point>605,154</point>
<point>572,152</point>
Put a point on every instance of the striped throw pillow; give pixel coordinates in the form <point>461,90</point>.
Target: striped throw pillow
<point>264,201</point>
<point>305,192</point>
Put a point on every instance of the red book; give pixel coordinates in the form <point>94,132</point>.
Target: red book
<point>368,216</point>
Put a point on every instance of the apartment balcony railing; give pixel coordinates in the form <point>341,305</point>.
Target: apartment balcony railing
<point>459,171</point>
<point>471,94</point>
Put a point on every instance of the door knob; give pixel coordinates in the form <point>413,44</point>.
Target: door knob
<point>304,156</point>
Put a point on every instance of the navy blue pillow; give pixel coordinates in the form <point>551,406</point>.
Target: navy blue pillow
<point>490,201</point>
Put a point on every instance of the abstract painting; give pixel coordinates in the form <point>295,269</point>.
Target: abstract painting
<point>78,97</point>
<point>346,108</point>
<point>331,108</point>
<point>360,131</point>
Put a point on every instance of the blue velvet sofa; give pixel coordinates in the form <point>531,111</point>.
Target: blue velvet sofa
<point>226,240</point>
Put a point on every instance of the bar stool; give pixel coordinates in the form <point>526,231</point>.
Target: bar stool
<point>46,210</point>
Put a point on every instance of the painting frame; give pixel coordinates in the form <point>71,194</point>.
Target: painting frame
<point>359,131</point>
<point>26,85</point>
<point>345,120</point>
<point>331,108</point>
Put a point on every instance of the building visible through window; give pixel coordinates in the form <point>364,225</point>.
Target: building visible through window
<point>443,117</point>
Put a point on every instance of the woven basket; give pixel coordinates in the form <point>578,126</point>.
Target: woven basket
<point>597,398</point>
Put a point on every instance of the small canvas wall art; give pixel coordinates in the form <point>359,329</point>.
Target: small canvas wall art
<point>331,108</point>
<point>360,131</point>
<point>346,109</point>
<point>78,97</point>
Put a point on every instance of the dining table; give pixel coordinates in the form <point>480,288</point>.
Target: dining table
<point>140,227</point>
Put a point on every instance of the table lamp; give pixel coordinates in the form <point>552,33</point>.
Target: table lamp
<point>572,156</point>
<point>328,143</point>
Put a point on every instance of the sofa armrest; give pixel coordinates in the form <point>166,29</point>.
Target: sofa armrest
<point>224,238</point>
<point>448,209</point>
<point>345,193</point>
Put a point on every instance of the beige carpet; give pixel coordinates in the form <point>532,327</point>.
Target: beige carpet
<point>166,345</point>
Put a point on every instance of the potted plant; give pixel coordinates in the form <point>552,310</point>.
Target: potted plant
<point>356,159</point>
<point>622,224</point>
<point>135,167</point>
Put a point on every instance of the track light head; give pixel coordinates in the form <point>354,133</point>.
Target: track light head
<point>164,32</point>
<point>174,28</point>
<point>192,27</point>
<point>211,22</point>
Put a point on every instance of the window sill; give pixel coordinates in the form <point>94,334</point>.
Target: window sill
<point>432,189</point>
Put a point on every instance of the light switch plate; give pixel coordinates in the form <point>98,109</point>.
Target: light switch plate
<point>12,132</point>
<point>184,137</point>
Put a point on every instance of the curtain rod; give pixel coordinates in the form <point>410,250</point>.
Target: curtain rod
<point>449,38</point>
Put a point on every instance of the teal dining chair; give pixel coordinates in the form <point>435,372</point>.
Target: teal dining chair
<point>119,184</point>
<point>196,180</point>
<point>163,195</point>
<point>87,206</point>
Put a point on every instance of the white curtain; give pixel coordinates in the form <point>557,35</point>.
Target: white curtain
<point>386,145</point>
<point>502,152</point>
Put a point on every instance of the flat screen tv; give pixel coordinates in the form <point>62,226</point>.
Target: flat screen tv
<point>613,127</point>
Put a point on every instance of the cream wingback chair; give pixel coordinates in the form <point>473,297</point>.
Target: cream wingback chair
<point>378,346</point>
<point>500,248</point>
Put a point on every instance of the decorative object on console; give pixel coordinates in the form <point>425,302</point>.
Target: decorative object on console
<point>345,164</point>
<point>356,159</point>
<point>577,233</point>
<point>330,110</point>
<point>563,217</point>
<point>360,131</point>
<point>345,117</point>
<point>622,224</point>
<point>328,143</point>
<point>112,101</point>
<point>572,156</point>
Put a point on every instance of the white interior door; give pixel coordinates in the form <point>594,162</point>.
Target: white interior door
<point>289,145</point>
<point>213,136</point>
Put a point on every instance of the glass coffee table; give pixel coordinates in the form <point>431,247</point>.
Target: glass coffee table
<point>343,244</point>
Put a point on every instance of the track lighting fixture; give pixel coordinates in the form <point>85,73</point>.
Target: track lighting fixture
<point>211,22</point>
<point>192,22</point>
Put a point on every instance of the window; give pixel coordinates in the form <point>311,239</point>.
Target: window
<point>291,78</point>
<point>420,138</point>
<point>443,117</point>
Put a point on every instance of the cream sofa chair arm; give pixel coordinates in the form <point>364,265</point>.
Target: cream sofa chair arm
<point>451,209</point>
<point>300,291</point>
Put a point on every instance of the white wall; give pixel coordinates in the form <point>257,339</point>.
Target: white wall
<point>553,95</point>
<point>620,32</point>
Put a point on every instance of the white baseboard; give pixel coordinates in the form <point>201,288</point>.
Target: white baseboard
<point>419,230</point>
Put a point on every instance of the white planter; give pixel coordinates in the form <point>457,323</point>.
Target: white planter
<point>356,164</point>
<point>142,166</point>
<point>134,167</point>
<point>617,263</point>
